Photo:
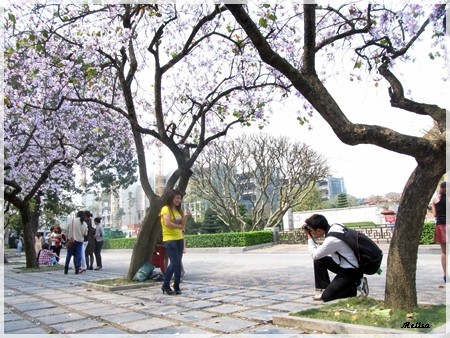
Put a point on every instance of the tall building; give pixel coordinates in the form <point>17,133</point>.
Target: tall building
<point>331,187</point>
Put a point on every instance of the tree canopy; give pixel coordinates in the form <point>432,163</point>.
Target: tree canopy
<point>266,174</point>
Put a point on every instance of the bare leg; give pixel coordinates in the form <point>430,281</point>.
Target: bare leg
<point>444,258</point>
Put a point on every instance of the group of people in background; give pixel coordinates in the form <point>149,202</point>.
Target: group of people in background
<point>87,243</point>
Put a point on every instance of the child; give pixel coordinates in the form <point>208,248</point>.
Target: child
<point>46,257</point>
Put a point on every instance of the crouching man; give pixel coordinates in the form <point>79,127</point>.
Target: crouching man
<point>336,256</point>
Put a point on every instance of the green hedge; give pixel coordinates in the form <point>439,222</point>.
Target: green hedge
<point>427,236</point>
<point>367,224</point>
<point>119,243</point>
<point>230,239</point>
<point>238,239</point>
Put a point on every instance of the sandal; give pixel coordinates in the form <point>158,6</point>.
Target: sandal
<point>82,270</point>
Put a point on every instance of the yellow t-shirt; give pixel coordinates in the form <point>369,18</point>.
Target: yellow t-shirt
<point>170,234</point>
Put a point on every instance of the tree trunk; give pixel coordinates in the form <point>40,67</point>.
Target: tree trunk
<point>28,235</point>
<point>147,238</point>
<point>400,289</point>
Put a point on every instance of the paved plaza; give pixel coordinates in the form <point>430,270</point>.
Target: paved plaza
<point>225,292</point>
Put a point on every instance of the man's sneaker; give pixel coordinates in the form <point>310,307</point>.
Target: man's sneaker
<point>363,287</point>
<point>318,295</point>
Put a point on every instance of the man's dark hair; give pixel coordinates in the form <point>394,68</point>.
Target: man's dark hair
<point>317,221</point>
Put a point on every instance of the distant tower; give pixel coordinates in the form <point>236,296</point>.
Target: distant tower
<point>159,181</point>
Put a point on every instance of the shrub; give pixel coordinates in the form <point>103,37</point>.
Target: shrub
<point>119,243</point>
<point>366,224</point>
<point>427,236</point>
<point>231,239</point>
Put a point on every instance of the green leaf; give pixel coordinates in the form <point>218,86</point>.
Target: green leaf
<point>263,22</point>
<point>358,64</point>
<point>91,72</point>
<point>272,17</point>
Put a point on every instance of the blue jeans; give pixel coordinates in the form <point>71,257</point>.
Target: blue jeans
<point>174,251</point>
<point>76,250</point>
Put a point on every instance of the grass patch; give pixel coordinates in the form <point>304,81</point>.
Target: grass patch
<point>41,268</point>
<point>370,312</point>
<point>120,281</point>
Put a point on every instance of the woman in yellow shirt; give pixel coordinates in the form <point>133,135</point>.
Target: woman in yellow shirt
<point>173,222</point>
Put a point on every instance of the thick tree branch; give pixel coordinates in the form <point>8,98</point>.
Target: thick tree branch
<point>398,99</point>
<point>315,92</point>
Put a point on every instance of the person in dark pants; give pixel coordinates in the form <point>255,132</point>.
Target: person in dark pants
<point>98,242</point>
<point>90,246</point>
<point>173,222</point>
<point>77,229</point>
<point>438,206</point>
<point>348,279</point>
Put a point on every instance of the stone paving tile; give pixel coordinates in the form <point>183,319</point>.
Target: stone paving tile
<point>33,305</point>
<point>16,325</point>
<point>191,316</point>
<point>233,291</point>
<point>104,330</point>
<point>77,326</point>
<point>257,293</point>
<point>200,304</point>
<point>291,307</point>
<point>211,289</point>
<point>206,295</point>
<point>52,294</point>
<point>70,300</point>
<point>271,330</point>
<point>183,330</point>
<point>227,308</point>
<point>148,324</point>
<point>284,297</point>
<point>259,314</point>
<point>64,317</point>
<point>31,330</point>
<point>108,310</point>
<point>142,305</point>
<point>18,299</point>
<point>226,324</point>
<point>165,310</point>
<point>88,304</point>
<point>11,316</point>
<point>258,302</point>
<point>230,299</point>
<point>124,317</point>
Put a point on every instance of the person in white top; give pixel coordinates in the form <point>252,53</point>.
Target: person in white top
<point>77,229</point>
<point>327,258</point>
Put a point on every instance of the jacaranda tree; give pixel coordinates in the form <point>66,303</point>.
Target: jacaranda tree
<point>179,75</point>
<point>45,139</point>
<point>301,41</point>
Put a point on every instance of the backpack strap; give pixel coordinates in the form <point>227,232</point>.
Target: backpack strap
<point>341,236</point>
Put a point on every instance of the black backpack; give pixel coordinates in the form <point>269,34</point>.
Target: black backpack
<point>368,254</point>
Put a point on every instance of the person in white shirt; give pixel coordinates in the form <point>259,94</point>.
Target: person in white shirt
<point>76,230</point>
<point>349,277</point>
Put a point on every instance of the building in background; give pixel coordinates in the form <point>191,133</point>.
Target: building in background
<point>331,187</point>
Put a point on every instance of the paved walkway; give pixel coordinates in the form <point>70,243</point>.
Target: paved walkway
<point>224,292</point>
